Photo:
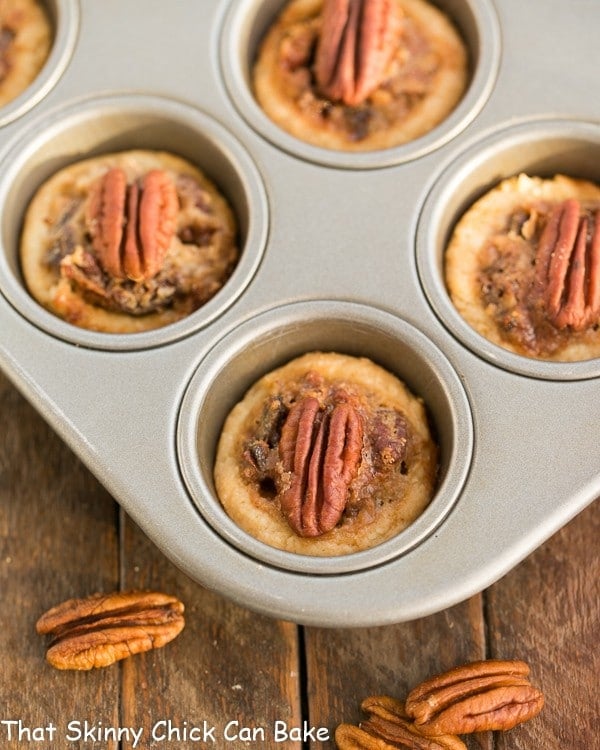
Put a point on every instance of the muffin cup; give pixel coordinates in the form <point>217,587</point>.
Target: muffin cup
<point>246,24</point>
<point>64,17</point>
<point>281,334</point>
<point>538,148</point>
<point>114,123</point>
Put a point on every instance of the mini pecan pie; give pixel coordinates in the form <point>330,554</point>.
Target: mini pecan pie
<point>127,242</point>
<point>523,267</point>
<point>25,38</point>
<point>359,75</point>
<point>326,455</point>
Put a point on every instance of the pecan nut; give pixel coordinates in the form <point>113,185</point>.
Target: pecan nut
<point>483,695</point>
<point>568,267</point>
<point>388,728</point>
<point>321,451</point>
<point>357,40</point>
<point>7,37</point>
<point>103,628</point>
<point>132,225</point>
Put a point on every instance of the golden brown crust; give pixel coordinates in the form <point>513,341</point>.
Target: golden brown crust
<point>503,225</point>
<point>424,82</point>
<point>25,45</point>
<point>199,260</point>
<point>396,498</point>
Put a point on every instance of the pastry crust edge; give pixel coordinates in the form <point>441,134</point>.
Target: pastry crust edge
<point>32,45</point>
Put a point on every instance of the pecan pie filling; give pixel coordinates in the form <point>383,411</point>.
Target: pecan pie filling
<point>323,453</point>
<point>523,267</point>
<point>138,235</point>
<point>360,74</point>
<point>318,448</point>
<point>136,283</point>
<point>541,279</point>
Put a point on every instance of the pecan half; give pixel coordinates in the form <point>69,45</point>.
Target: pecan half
<point>388,727</point>
<point>321,449</point>
<point>132,226</point>
<point>7,36</point>
<point>568,267</point>
<point>483,695</point>
<point>357,40</point>
<point>103,628</point>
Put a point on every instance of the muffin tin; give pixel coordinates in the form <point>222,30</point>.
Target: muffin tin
<point>339,252</point>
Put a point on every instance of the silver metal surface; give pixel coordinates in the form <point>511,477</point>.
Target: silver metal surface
<point>339,252</point>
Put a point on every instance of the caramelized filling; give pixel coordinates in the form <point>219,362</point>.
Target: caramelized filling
<point>507,282</point>
<point>408,80</point>
<point>384,457</point>
<point>186,281</point>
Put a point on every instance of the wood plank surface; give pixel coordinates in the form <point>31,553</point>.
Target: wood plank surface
<point>345,666</point>
<point>547,610</point>
<point>62,535</point>
<point>230,669</point>
<point>58,539</point>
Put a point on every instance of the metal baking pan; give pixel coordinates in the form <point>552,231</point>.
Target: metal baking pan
<point>339,251</point>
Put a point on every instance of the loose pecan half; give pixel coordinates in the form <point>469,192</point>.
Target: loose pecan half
<point>103,628</point>
<point>388,728</point>
<point>321,450</point>
<point>357,40</point>
<point>483,695</point>
<point>132,226</point>
<point>568,267</point>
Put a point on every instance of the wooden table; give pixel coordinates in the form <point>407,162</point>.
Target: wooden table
<point>232,672</point>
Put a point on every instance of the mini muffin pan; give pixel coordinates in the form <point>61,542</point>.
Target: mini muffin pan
<point>339,252</point>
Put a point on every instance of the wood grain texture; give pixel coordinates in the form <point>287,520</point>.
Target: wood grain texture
<point>547,610</point>
<point>58,539</point>
<point>346,665</point>
<point>228,664</point>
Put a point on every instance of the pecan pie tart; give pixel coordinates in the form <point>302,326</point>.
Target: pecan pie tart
<point>523,267</point>
<point>360,75</point>
<point>25,39</point>
<point>127,242</point>
<point>327,455</point>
